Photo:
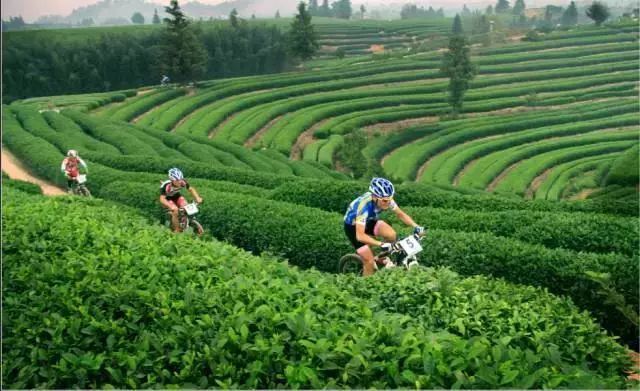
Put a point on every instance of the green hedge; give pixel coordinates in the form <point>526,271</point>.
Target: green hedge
<point>335,196</point>
<point>625,170</point>
<point>317,240</point>
<point>212,316</point>
<point>26,187</point>
<point>110,134</point>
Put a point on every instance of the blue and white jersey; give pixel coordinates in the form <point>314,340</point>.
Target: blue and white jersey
<point>363,209</point>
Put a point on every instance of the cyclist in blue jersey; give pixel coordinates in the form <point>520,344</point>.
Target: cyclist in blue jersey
<point>361,224</point>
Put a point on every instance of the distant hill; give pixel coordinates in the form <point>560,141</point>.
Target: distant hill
<point>109,11</point>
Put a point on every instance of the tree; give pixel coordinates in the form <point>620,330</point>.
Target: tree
<point>156,18</point>
<point>457,26</point>
<point>137,18</point>
<point>518,7</point>
<point>14,23</point>
<point>489,10</point>
<point>313,7</point>
<point>502,7</point>
<point>350,155</point>
<point>183,56</point>
<point>277,14</point>
<point>233,18</point>
<point>253,16</point>
<point>457,66</point>
<point>86,22</point>
<point>570,15</point>
<point>465,10</point>
<point>303,42</point>
<point>598,12</point>
<point>362,11</point>
<point>324,9</point>
<point>342,9</point>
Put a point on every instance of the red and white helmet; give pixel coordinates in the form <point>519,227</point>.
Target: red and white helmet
<point>72,153</point>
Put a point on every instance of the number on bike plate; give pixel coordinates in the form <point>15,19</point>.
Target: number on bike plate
<point>191,209</point>
<point>410,245</point>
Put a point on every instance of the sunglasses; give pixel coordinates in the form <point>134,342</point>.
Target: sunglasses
<point>386,199</point>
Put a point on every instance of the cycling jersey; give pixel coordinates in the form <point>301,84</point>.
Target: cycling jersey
<point>363,209</point>
<point>171,192</point>
<point>70,166</point>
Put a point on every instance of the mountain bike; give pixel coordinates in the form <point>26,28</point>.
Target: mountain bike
<point>403,254</point>
<point>79,186</point>
<point>187,219</point>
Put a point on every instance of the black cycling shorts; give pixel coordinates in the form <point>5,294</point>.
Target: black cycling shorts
<point>350,231</point>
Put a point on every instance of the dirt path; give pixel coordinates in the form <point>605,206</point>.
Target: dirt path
<point>463,172</point>
<point>216,129</point>
<point>15,170</point>
<point>582,195</point>
<point>305,139</point>
<point>496,181</point>
<point>535,184</point>
<point>258,135</point>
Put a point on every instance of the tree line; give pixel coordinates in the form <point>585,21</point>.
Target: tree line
<point>49,63</point>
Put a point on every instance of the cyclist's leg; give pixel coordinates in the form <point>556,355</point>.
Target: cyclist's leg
<point>181,202</point>
<point>175,225</point>
<point>384,230</point>
<point>368,263</point>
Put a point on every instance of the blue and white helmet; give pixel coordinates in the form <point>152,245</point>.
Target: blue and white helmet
<point>381,188</point>
<point>175,174</point>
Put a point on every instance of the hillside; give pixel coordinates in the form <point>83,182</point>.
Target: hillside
<point>177,311</point>
<point>527,194</point>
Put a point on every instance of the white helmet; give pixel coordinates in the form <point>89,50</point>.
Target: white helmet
<point>72,153</point>
<point>175,174</point>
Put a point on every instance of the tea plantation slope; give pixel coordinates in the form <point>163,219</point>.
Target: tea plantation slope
<point>316,238</point>
<point>118,303</point>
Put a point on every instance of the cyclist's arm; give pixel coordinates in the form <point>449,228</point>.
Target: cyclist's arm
<point>63,167</point>
<point>362,236</point>
<point>84,165</point>
<point>195,194</point>
<point>405,218</point>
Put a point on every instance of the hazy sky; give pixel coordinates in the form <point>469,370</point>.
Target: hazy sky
<point>33,9</point>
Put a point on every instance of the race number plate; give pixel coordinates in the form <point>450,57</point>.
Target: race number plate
<point>410,245</point>
<point>82,179</point>
<point>191,209</point>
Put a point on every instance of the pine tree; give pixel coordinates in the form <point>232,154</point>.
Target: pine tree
<point>233,18</point>
<point>303,41</point>
<point>362,11</point>
<point>156,18</point>
<point>277,14</point>
<point>457,26</point>
<point>313,7</point>
<point>570,15</point>
<point>324,9</point>
<point>518,7</point>
<point>502,7</point>
<point>457,66</point>
<point>598,12</point>
<point>184,57</point>
<point>342,9</point>
<point>489,10</point>
<point>137,18</point>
